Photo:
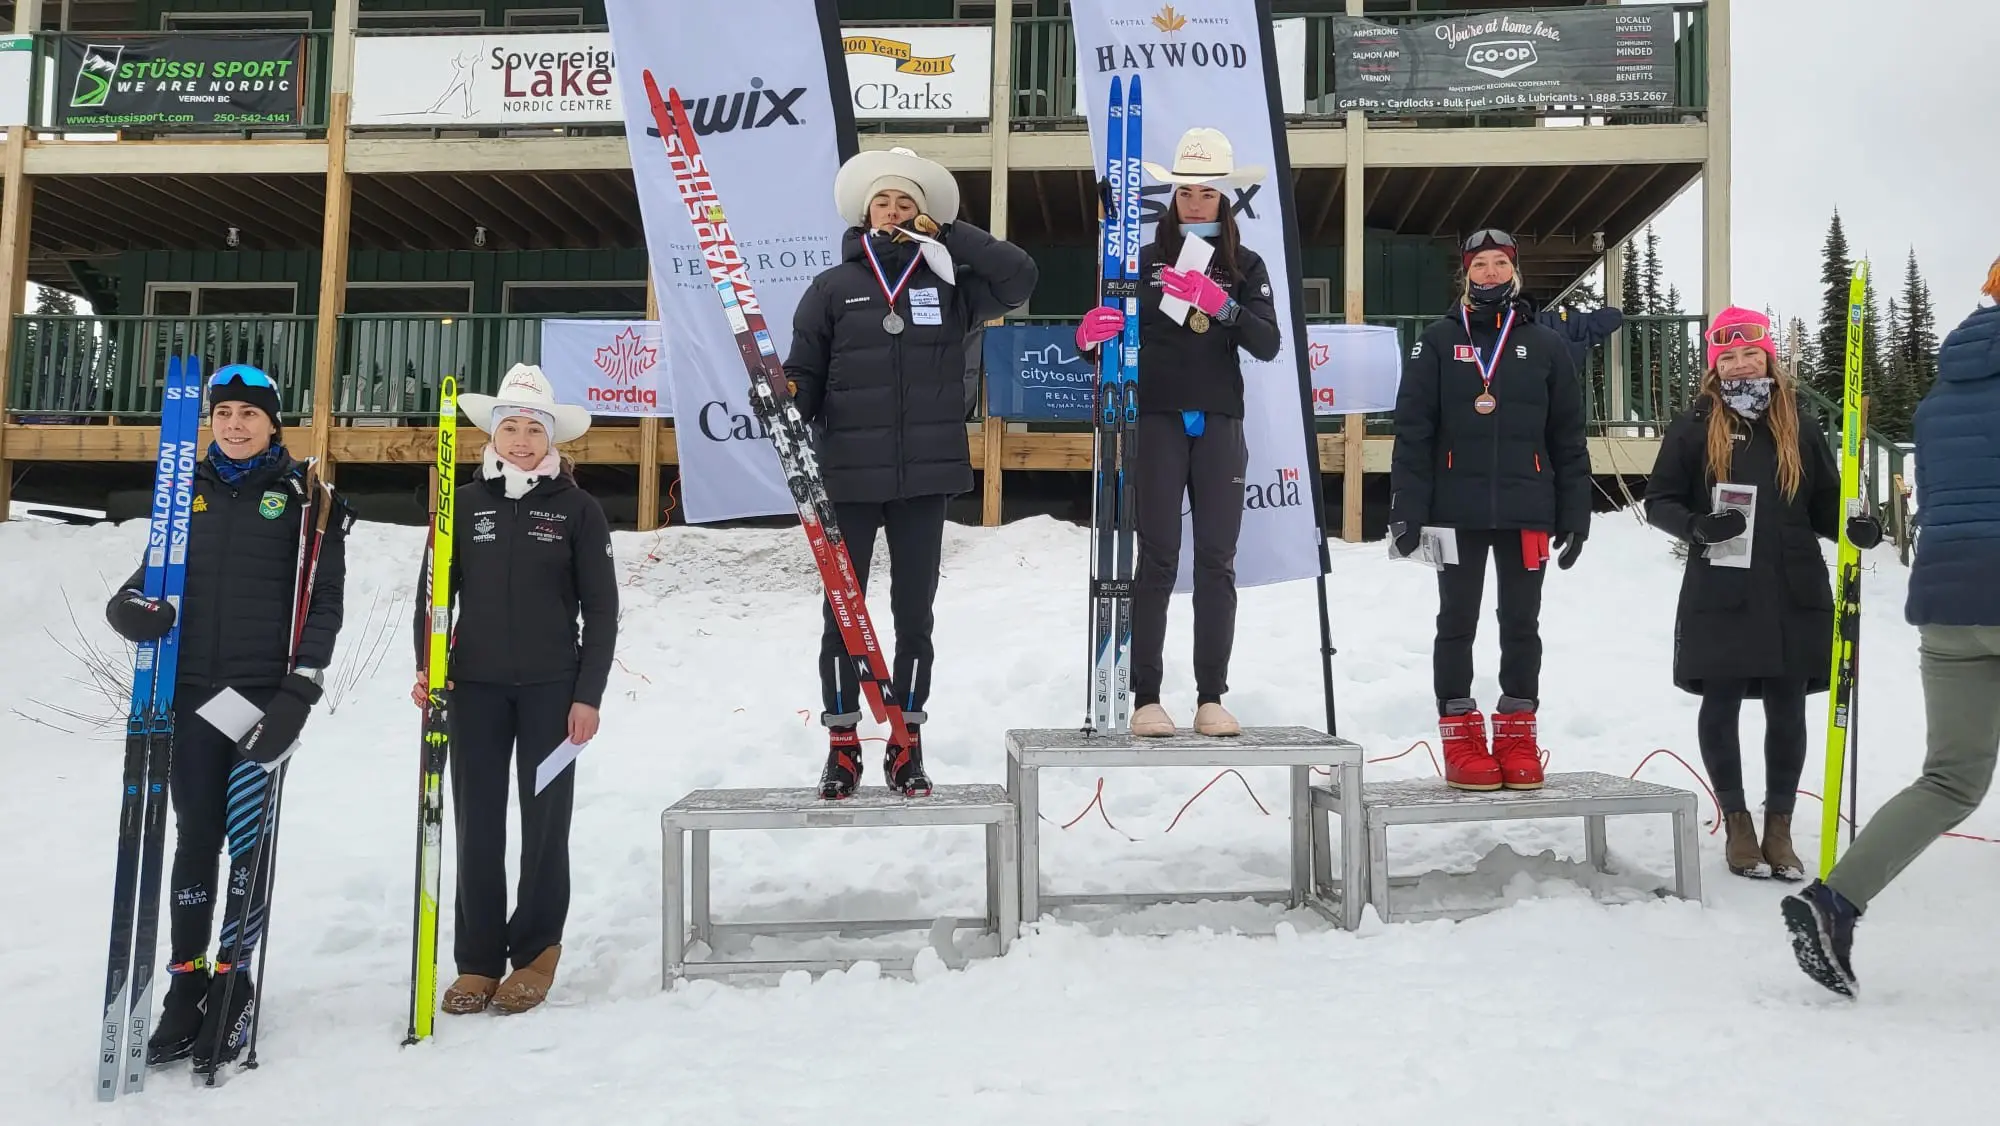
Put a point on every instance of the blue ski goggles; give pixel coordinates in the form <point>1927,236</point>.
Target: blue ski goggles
<point>244,374</point>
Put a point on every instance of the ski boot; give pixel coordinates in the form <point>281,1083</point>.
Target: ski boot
<point>843,764</point>
<point>225,1027</point>
<point>903,767</point>
<point>1467,765</point>
<point>181,1015</point>
<point>1514,747</point>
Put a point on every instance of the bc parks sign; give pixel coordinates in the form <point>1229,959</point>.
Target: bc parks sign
<point>1596,57</point>
<point>127,82</point>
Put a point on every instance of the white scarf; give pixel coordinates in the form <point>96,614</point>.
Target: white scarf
<point>518,480</point>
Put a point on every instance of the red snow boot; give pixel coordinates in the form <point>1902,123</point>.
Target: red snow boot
<point>1515,750</point>
<point>1467,766</point>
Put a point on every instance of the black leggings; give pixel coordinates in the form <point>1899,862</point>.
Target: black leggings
<point>1784,741</point>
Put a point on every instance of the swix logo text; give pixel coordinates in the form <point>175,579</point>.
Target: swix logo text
<point>755,108</point>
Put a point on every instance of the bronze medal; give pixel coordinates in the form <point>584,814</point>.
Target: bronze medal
<point>1197,320</point>
<point>1485,403</point>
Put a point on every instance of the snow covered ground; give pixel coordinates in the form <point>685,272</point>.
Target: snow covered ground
<point>1560,1008</point>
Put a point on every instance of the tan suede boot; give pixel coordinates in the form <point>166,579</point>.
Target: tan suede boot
<point>1153,722</point>
<point>1778,851</point>
<point>471,993</point>
<point>529,985</point>
<point>1740,850</point>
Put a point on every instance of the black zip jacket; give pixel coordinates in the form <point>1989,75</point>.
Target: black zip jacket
<point>1524,466</point>
<point>235,615</point>
<point>1184,370</point>
<point>521,573</point>
<point>890,408</point>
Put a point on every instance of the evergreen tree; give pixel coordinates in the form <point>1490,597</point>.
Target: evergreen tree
<point>1920,344</point>
<point>1874,371</point>
<point>1834,275</point>
<point>1888,401</point>
<point>1652,273</point>
<point>1631,300</point>
<point>1804,354</point>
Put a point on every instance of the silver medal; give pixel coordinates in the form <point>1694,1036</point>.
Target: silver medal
<point>893,323</point>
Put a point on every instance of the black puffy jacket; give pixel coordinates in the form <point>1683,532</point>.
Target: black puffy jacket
<point>235,616</point>
<point>1184,370</point>
<point>890,409</point>
<point>522,572</point>
<point>1773,618</point>
<point>1525,466</point>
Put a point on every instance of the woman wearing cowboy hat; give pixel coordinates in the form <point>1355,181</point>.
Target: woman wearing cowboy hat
<point>1490,443</point>
<point>531,554</point>
<point>1190,431</point>
<point>878,362</point>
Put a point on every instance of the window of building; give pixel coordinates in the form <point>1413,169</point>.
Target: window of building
<point>576,299</point>
<point>221,299</point>
<point>409,297</point>
<point>1318,296</point>
<point>235,21</point>
<point>545,17</point>
<point>419,21</point>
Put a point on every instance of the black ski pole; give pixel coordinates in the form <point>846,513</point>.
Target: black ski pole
<point>264,939</point>
<point>243,923</point>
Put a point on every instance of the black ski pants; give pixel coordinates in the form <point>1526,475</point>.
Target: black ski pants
<point>218,796</point>
<point>915,530</point>
<point>1461,587</point>
<point>1784,741</point>
<point>1208,471</point>
<point>497,729</point>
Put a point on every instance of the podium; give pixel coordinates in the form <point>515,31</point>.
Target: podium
<point>686,912</point>
<point>1299,749</point>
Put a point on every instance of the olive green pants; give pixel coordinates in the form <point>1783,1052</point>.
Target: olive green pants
<point>1961,676</point>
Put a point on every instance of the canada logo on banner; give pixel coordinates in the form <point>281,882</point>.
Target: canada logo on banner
<point>608,367</point>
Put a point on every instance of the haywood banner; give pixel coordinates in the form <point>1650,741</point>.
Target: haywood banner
<point>773,134</point>
<point>554,78</point>
<point>611,368</point>
<point>1356,369</point>
<point>1214,64</point>
<point>1594,57</point>
<point>163,81</point>
<point>526,79</point>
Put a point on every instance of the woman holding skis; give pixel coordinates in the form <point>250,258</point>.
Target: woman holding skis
<point>878,362</point>
<point>1755,619</point>
<point>1190,430</point>
<point>1490,444</point>
<point>531,553</point>
<point>246,625</point>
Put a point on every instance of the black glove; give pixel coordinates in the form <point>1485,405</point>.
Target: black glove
<point>1864,531</point>
<point>1717,526</point>
<point>284,718</point>
<point>1407,542</point>
<point>137,618</point>
<point>1568,546</point>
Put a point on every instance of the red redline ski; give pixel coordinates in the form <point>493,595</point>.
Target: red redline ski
<point>772,401</point>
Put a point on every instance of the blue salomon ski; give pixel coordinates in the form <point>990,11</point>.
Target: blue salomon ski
<point>1112,531</point>
<point>149,748</point>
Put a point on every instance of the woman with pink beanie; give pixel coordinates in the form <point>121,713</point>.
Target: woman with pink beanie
<point>1746,478</point>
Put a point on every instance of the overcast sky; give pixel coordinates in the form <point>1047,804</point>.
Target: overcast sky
<point>1888,110</point>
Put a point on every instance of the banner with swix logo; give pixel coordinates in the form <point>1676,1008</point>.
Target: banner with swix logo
<point>756,77</point>
<point>1212,63</point>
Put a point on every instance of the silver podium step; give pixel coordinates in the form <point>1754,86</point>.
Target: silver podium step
<point>684,869</point>
<point>1587,794</point>
<point>1297,748</point>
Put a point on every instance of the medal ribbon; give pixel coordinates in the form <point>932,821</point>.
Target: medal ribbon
<point>882,278</point>
<point>1487,367</point>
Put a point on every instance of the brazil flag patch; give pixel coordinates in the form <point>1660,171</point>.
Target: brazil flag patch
<point>272,505</point>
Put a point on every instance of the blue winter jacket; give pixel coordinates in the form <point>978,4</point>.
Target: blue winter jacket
<point>1955,580</point>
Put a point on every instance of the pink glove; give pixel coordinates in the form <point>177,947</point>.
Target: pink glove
<point>1099,325</point>
<point>1196,289</point>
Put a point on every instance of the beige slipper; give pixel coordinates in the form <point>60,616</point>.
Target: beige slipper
<point>529,985</point>
<point>1153,722</point>
<point>471,993</point>
<point>1214,720</point>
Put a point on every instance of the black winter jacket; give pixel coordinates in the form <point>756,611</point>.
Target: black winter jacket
<point>1524,466</point>
<point>1775,617</point>
<point>521,573</point>
<point>1184,370</point>
<point>891,409</point>
<point>235,615</point>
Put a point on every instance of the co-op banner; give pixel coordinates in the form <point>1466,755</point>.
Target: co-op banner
<point>557,78</point>
<point>1616,56</point>
<point>610,368</point>
<point>772,135</point>
<point>163,81</point>
<point>1213,64</point>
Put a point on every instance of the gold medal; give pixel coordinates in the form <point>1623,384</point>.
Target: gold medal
<point>1197,320</point>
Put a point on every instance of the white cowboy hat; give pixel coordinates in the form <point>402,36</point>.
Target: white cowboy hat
<point>1205,156</point>
<point>527,389</point>
<point>926,181</point>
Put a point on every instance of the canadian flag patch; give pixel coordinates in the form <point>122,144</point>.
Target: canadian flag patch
<point>1464,354</point>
